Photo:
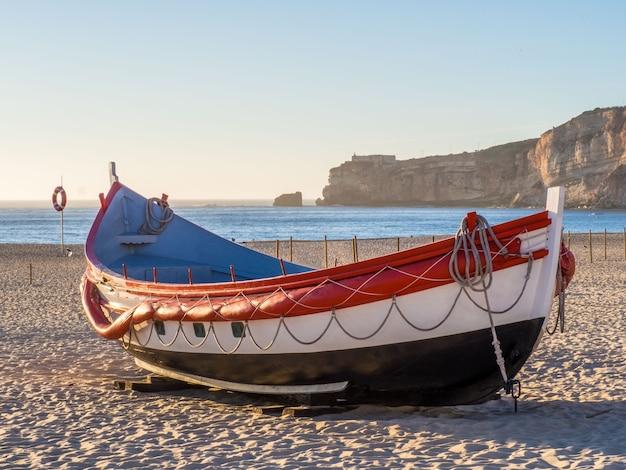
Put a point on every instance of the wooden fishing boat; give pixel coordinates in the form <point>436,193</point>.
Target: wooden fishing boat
<point>453,321</point>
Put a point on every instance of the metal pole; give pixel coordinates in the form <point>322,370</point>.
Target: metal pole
<point>62,226</point>
<point>398,243</point>
<point>355,250</point>
<point>590,248</point>
<point>605,244</point>
<point>290,248</point>
<point>62,237</point>
<point>326,250</point>
<point>277,249</point>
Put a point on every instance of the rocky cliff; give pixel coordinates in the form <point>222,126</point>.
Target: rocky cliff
<point>586,154</point>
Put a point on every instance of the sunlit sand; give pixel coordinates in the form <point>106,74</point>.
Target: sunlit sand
<point>58,406</point>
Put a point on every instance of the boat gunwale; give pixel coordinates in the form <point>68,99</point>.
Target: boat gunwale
<point>98,271</point>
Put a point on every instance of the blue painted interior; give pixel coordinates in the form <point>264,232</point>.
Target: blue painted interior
<point>182,245</point>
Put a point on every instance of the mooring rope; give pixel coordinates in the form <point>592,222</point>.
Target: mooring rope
<point>480,278</point>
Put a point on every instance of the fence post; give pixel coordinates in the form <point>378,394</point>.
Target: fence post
<point>325,250</point>
<point>277,248</point>
<point>291,248</point>
<point>569,239</point>
<point>433,239</point>
<point>398,240</point>
<point>590,248</point>
<point>605,244</point>
<point>355,250</point>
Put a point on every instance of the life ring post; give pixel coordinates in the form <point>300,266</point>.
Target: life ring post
<point>59,206</point>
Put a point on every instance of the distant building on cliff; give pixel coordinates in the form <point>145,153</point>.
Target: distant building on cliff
<point>587,154</point>
<point>376,159</point>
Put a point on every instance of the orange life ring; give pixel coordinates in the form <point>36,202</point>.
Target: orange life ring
<point>55,203</point>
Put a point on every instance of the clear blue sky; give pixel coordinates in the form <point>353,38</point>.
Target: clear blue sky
<point>251,99</point>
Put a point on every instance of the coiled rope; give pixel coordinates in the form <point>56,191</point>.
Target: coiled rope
<point>156,223</point>
<point>478,278</point>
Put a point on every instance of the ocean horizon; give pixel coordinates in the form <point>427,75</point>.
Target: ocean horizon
<point>264,222</point>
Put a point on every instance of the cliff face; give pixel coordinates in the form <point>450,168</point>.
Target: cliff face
<point>586,154</point>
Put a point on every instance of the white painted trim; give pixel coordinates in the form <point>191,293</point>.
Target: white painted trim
<point>239,387</point>
<point>555,203</point>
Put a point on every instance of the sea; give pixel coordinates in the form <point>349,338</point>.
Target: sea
<point>264,222</point>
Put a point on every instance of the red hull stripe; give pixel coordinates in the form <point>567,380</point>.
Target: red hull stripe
<point>356,291</point>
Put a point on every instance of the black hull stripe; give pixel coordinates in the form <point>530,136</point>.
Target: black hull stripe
<point>452,369</point>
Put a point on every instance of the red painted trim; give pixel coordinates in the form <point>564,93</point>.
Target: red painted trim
<point>91,236</point>
<point>317,298</point>
<point>100,323</point>
<point>504,232</point>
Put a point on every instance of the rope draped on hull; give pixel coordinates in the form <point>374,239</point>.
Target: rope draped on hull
<point>466,264</point>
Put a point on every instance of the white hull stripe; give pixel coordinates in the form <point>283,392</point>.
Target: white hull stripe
<point>240,387</point>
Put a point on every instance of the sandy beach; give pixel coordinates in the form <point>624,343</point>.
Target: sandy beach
<point>59,409</point>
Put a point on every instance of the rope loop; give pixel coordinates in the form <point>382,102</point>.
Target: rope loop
<point>480,277</point>
<point>156,222</point>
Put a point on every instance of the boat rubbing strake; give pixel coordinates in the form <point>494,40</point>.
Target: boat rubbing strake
<point>452,321</point>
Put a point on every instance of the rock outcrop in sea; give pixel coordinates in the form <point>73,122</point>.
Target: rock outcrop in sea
<point>586,154</point>
<point>289,200</point>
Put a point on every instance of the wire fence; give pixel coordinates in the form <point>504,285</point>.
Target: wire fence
<point>325,252</point>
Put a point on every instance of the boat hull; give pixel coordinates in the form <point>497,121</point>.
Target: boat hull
<point>412,321</point>
<point>454,369</point>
